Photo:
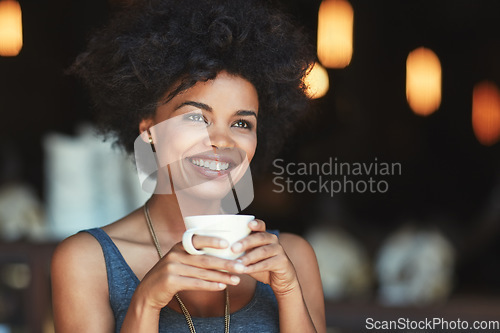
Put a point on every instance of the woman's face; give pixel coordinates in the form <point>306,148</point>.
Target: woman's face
<point>207,134</point>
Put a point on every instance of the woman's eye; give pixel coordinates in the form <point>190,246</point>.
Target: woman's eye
<point>242,124</point>
<point>196,117</point>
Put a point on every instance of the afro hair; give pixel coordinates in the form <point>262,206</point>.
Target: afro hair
<point>156,46</point>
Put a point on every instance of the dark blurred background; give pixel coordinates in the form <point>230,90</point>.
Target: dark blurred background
<point>448,178</point>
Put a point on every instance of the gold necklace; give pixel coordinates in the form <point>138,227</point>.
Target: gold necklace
<point>227,312</point>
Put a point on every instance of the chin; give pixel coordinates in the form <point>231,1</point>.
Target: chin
<point>207,191</point>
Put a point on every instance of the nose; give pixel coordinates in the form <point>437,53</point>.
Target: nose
<point>220,138</point>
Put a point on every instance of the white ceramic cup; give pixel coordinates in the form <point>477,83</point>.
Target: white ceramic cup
<point>230,227</point>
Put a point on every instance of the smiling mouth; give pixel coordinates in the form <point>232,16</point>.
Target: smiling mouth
<point>210,164</point>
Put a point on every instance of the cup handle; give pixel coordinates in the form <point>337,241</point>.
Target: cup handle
<point>187,242</point>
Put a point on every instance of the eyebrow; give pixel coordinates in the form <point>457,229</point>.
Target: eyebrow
<point>198,105</point>
<point>208,108</point>
<point>246,113</point>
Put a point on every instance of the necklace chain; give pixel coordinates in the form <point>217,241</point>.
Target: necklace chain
<point>227,312</point>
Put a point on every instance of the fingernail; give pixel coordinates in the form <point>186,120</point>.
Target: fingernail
<point>223,243</point>
<point>239,267</point>
<point>237,247</point>
<point>222,286</point>
<point>254,223</point>
<point>235,279</point>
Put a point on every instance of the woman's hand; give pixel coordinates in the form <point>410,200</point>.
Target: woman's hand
<point>265,259</point>
<point>178,271</point>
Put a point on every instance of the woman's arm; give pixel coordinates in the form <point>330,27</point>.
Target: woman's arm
<point>79,287</point>
<point>176,271</point>
<point>304,260</point>
<point>290,267</point>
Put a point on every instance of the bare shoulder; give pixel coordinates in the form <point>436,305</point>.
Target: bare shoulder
<point>79,286</point>
<point>297,248</point>
<point>80,252</point>
<point>83,251</point>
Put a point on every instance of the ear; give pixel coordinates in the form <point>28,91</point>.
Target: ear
<point>145,124</point>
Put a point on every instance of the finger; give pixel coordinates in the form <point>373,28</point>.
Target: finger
<point>260,253</point>
<point>208,275</point>
<point>213,263</point>
<point>200,242</point>
<point>267,265</point>
<point>178,255</point>
<point>257,225</point>
<point>254,240</point>
<point>190,283</point>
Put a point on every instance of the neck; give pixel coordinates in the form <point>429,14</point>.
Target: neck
<point>190,205</point>
<point>167,211</point>
<point>182,201</point>
<point>166,215</point>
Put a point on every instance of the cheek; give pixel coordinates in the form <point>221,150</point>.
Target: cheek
<point>176,142</point>
<point>249,145</point>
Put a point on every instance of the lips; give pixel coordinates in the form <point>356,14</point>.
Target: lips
<point>212,165</point>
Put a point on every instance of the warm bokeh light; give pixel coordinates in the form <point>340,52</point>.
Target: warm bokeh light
<point>335,25</point>
<point>423,81</point>
<point>11,28</point>
<point>317,81</point>
<point>486,113</point>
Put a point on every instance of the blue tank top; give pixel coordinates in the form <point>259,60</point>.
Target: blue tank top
<point>260,315</point>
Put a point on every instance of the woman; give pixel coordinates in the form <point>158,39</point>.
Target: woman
<point>235,69</point>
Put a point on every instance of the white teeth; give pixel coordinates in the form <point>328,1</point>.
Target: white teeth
<point>210,164</point>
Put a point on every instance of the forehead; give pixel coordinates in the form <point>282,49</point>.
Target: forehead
<point>226,91</point>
